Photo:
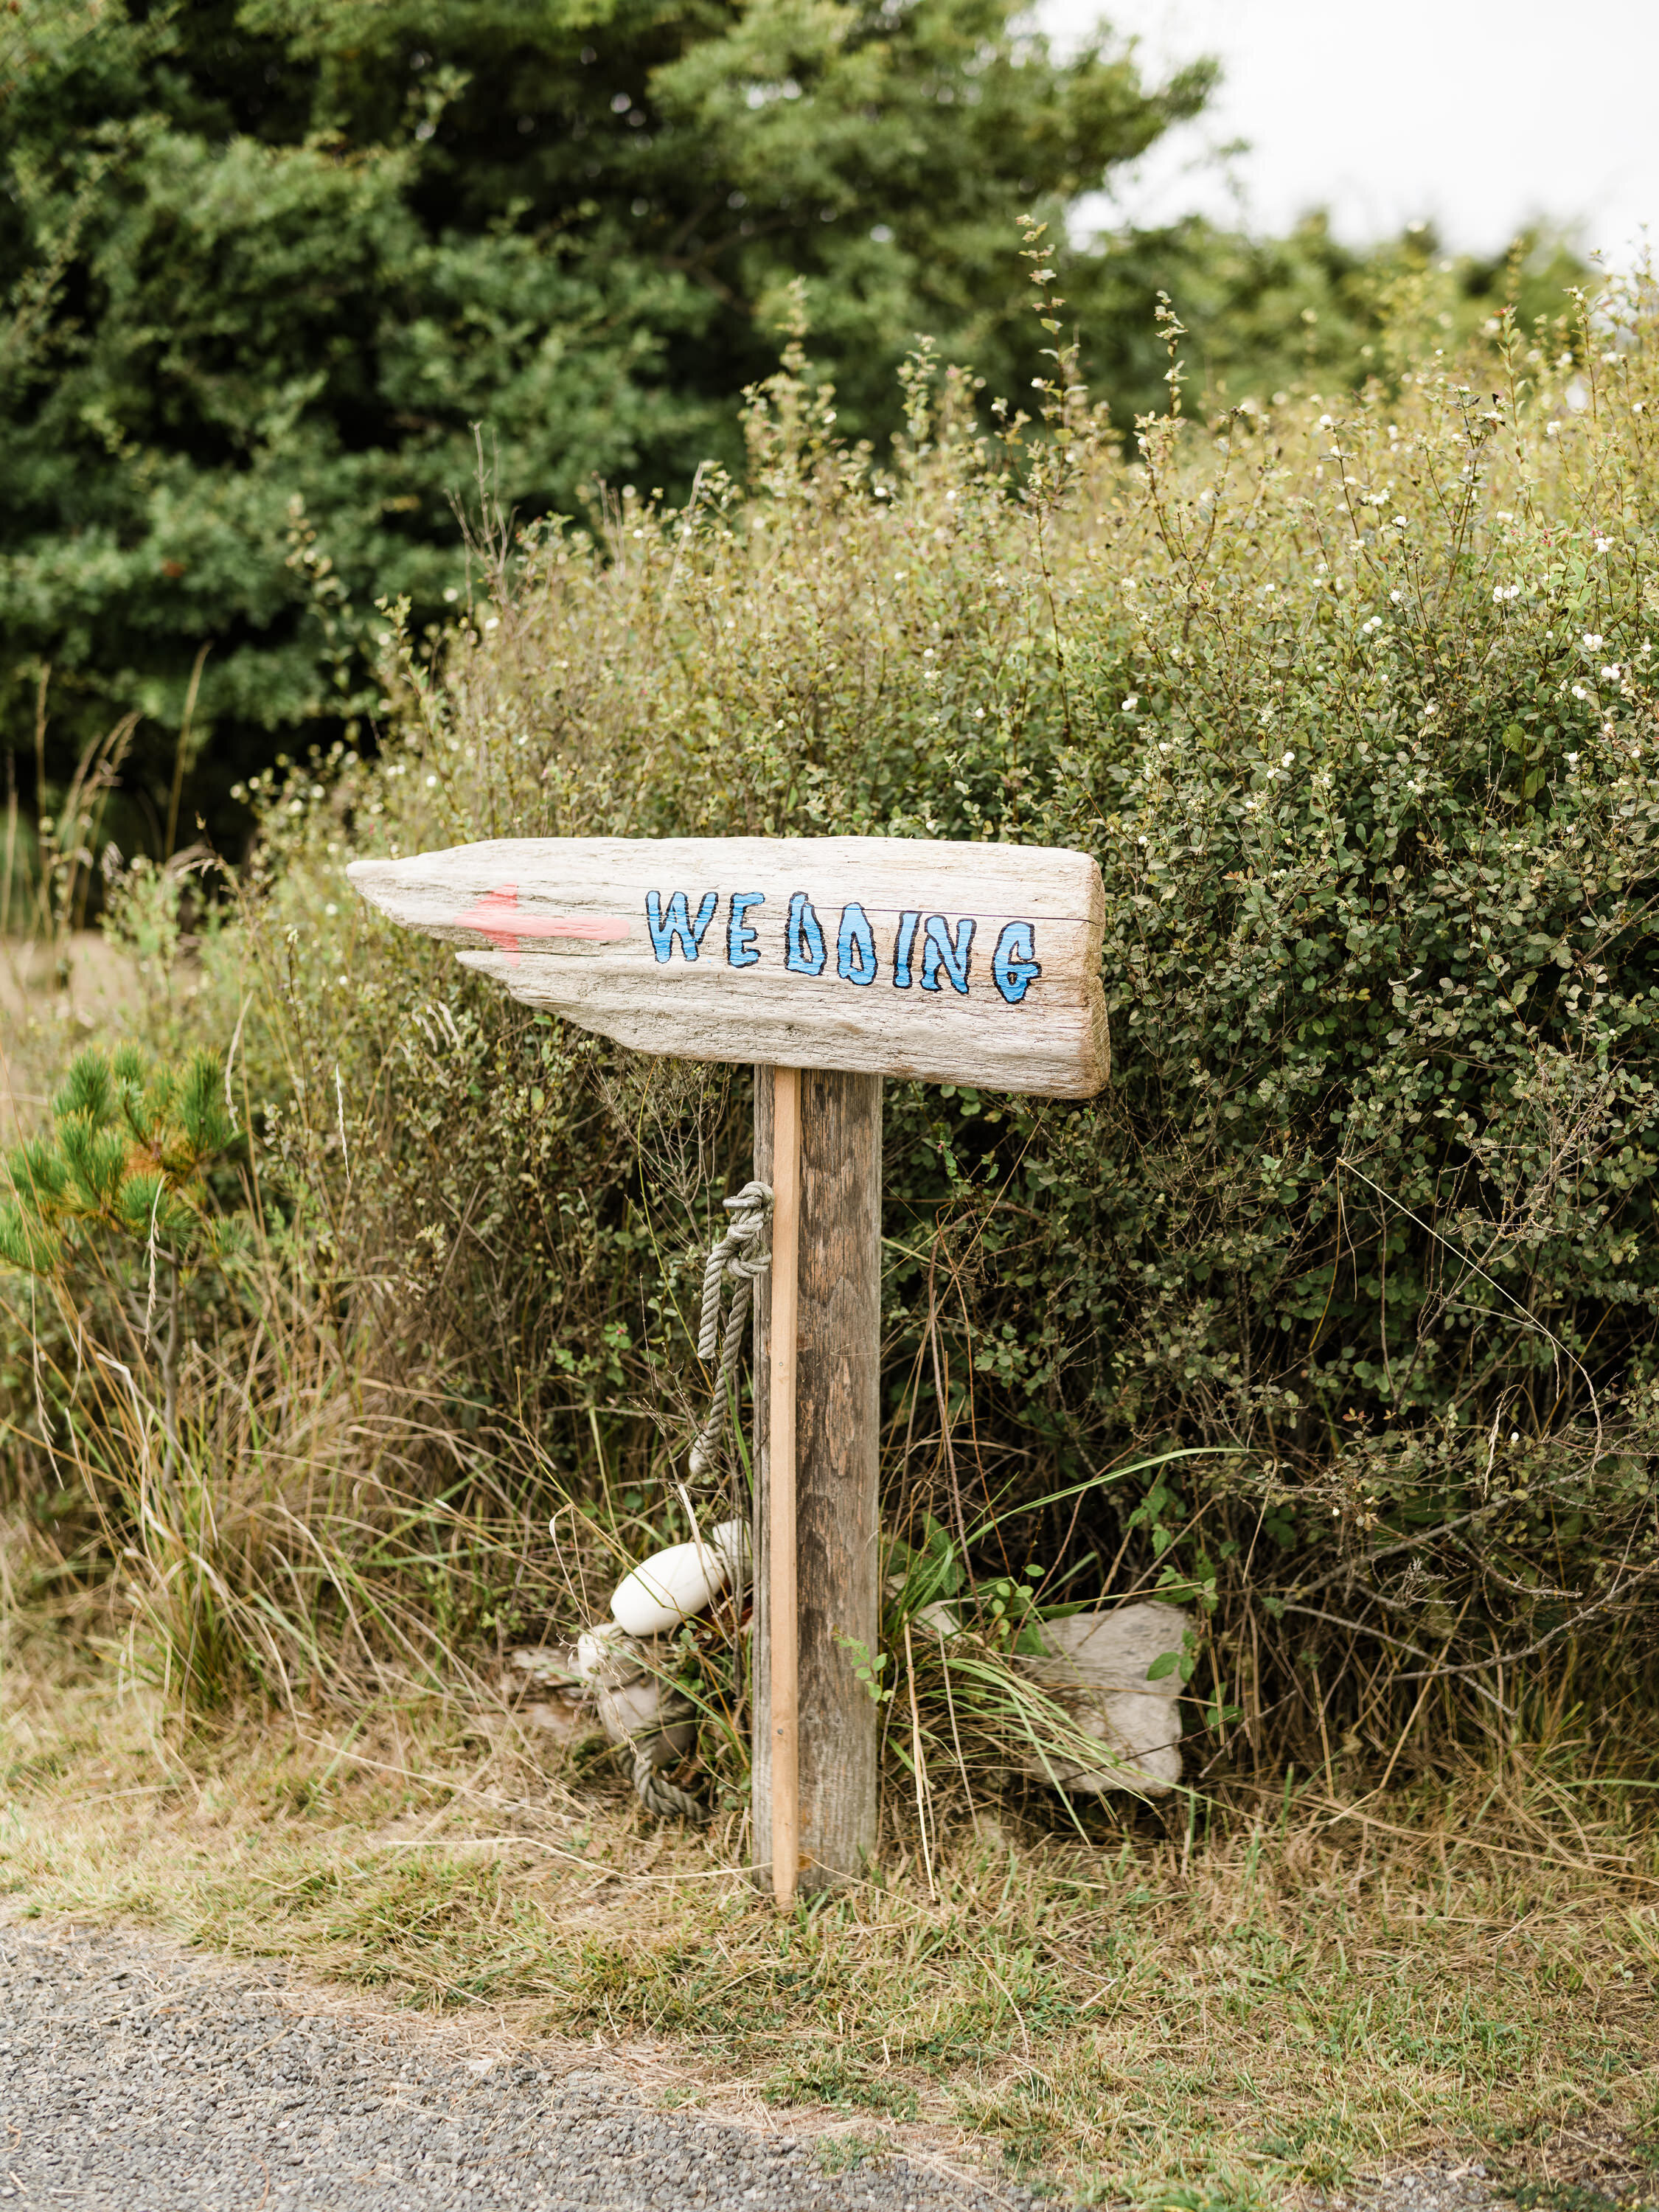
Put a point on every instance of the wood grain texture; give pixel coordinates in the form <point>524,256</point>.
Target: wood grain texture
<point>783,1548</point>
<point>760,1526</point>
<point>973,963</point>
<point>837,1432</point>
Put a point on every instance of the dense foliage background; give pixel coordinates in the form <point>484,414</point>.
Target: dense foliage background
<point>1353,699</point>
<point>275,272</point>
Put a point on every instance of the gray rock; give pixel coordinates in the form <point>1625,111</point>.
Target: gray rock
<point>1096,1667</point>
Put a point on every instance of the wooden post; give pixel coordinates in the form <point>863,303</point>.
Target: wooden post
<point>783,1689</point>
<point>838,1415</point>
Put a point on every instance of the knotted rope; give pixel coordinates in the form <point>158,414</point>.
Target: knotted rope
<point>737,1259</point>
<point>658,1795</point>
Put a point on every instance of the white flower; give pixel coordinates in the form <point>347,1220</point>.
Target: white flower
<point>1132,702</point>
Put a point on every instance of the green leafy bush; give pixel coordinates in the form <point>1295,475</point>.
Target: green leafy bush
<point>1352,700</point>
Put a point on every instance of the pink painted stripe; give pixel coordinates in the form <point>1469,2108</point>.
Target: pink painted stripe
<point>499,917</point>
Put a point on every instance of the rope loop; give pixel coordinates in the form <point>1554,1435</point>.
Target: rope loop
<point>661,1796</point>
<point>737,1259</point>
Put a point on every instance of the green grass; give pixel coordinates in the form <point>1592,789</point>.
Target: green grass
<point>837,2153</point>
<point>1324,1986</point>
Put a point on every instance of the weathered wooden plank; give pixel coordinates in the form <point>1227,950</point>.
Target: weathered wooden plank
<point>762,1840</point>
<point>973,963</point>
<point>837,1511</point>
<point>838,1428</point>
<point>783,1547</point>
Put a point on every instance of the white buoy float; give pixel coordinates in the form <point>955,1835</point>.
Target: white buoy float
<point>623,1668</point>
<point>672,1587</point>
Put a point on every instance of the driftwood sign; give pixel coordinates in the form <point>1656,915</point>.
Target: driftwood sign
<point>829,961</point>
<point>957,963</point>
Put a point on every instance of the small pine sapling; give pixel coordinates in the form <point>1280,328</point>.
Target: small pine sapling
<point>127,1196</point>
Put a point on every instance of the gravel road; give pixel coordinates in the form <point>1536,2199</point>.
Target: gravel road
<point>141,2078</point>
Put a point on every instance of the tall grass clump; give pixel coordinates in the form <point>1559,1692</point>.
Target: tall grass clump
<point>1353,697</point>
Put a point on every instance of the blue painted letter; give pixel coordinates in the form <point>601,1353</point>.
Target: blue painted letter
<point>939,952</point>
<point>902,943</point>
<point>855,947</point>
<point>739,937</point>
<point>802,939</point>
<point>1014,965</point>
<point>664,928</point>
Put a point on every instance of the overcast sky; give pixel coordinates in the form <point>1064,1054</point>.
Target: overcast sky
<point>1473,115</point>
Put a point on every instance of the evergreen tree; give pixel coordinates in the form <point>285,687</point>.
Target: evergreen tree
<point>268,262</point>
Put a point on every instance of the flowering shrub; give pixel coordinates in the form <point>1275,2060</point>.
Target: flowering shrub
<point>1354,702</point>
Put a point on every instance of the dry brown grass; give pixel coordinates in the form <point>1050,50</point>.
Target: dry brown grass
<point>1325,1984</point>
<point>52,994</point>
